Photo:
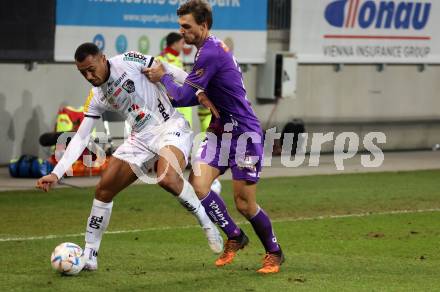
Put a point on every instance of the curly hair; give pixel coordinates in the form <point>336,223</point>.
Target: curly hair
<point>85,50</point>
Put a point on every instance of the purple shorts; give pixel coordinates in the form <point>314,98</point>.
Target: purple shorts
<point>243,154</point>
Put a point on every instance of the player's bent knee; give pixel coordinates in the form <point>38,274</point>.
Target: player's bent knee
<point>245,208</point>
<point>104,194</point>
<point>201,189</point>
<point>242,207</point>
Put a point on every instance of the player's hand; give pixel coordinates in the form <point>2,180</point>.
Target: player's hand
<point>154,74</point>
<point>204,101</point>
<point>46,182</point>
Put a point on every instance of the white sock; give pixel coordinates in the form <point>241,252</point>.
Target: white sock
<point>97,223</point>
<point>189,200</point>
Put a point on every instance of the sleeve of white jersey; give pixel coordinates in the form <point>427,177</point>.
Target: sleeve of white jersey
<point>92,107</point>
<point>76,147</point>
<point>178,74</point>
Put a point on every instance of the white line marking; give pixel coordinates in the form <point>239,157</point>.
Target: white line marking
<point>287,219</point>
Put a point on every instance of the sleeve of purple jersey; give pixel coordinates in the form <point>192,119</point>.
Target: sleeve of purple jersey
<point>204,68</point>
<point>181,96</point>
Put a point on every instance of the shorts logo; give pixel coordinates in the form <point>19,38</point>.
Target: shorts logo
<point>174,133</point>
<point>128,85</point>
<point>248,164</point>
<point>252,174</point>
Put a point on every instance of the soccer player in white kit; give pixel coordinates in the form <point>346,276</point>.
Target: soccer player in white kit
<point>158,133</point>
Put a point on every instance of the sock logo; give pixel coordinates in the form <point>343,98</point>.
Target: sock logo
<point>95,222</point>
<point>188,206</point>
<point>217,214</point>
<point>93,253</point>
<point>378,14</point>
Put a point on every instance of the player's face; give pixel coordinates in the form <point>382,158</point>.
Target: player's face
<point>193,33</point>
<point>94,69</point>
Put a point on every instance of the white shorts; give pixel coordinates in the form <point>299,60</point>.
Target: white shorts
<point>142,149</point>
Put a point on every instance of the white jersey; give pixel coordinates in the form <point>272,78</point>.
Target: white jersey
<point>154,122</point>
<point>128,92</point>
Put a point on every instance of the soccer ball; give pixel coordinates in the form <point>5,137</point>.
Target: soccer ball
<point>67,258</point>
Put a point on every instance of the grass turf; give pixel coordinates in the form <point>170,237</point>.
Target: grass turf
<point>379,252</point>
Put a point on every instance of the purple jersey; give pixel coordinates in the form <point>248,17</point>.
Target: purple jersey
<point>218,74</point>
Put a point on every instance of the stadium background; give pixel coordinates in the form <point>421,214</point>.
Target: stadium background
<point>361,229</point>
<point>400,99</point>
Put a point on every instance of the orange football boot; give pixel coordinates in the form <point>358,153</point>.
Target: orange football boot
<point>231,248</point>
<point>272,263</point>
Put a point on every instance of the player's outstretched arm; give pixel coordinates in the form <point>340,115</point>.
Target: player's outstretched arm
<point>179,94</point>
<point>182,96</point>
<point>73,151</point>
<point>178,74</point>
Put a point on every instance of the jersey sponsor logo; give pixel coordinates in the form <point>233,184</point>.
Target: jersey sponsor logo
<point>109,92</point>
<point>119,80</point>
<point>139,117</point>
<point>111,87</point>
<point>129,86</point>
<point>162,110</point>
<point>135,57</point>
<point>200,72</point>
<point>378,14</point>
<point>133,107</point>
<point>117,92</point>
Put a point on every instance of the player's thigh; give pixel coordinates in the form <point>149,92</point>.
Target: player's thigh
<point>171,158</point>
<point>201,178</point>
<point>178,134</point>
<point>115,178</point>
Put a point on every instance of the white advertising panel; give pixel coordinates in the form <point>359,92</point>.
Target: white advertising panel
<point>366,31</point>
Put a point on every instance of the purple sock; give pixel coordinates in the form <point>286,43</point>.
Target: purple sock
<point>216,210</point>
<point>263,228</point>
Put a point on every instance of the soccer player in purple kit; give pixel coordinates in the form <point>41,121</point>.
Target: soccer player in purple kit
<point>217,73</point>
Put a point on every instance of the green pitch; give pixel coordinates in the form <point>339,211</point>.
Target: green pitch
<point>338,233</point>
